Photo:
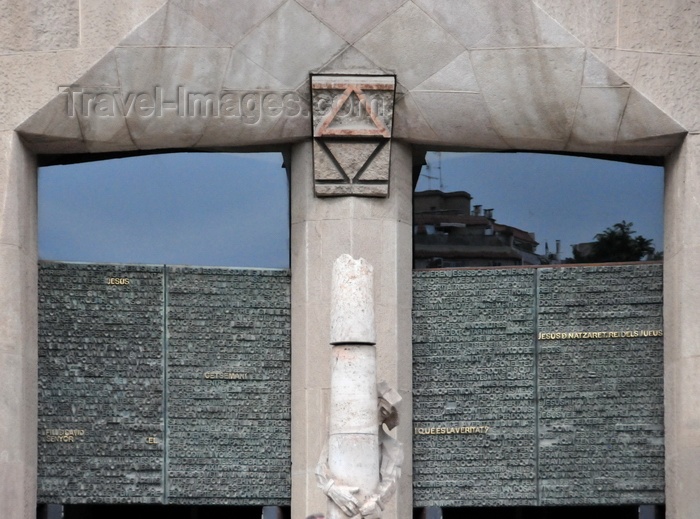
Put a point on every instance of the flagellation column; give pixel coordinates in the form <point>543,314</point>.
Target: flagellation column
<point>351,190</point>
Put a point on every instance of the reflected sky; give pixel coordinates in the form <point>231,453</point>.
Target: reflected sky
<point>226,209</point>
<point>217,209</point>
<point>555,196</point>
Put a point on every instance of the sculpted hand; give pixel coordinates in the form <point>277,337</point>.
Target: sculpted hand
<point>371,509</point>
<point>343,497</point>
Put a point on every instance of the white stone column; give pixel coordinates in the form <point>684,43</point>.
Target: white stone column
<point>353,446</point>
<point>18,330</point>
<point>379,230</point>
<point>682,330</point>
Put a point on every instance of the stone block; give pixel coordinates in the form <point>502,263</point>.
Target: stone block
<point>347,20</point>
<point>456,76</point>
<point>106,23</point>
<point>352,302</point>
<point>17,195</point>
<point>512,24</point>
<point>598,117</point>
<point>31,80</point>
<point>665,27</point>
<point>17,300</point>
<point>186,80</point>
<point>551,33</point>
<point>681,191</point>
<point>521,117</point>
<point>622,63</point>
<point>411,124</point>
<point>290,43</point>
<point>598,74</point>
<point>351,61</point>
<point>18,426</point>
<point>418,48</point>
<point>451,16</point>
<point>459,119</point>
<point>668,81</point>
<point>593,22</point>
<point>39,25</point>
<point>352,123</point>
<point>230,21</point>
<point>171,26</point>
<point>643,120</point>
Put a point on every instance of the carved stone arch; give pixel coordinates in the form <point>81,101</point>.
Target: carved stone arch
<point>514,78</point>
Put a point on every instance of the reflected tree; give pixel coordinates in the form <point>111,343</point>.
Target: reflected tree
<point>616,243</point>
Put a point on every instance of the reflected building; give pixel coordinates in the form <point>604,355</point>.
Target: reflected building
<point>449,232</point>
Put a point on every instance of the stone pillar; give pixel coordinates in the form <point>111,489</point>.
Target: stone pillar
<point>18,330</point>
<point>379,230</point>
<point>682,330</point>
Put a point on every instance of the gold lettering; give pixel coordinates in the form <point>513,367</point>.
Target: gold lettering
<point>462,429</point>
<point>225,375</point>
<point>622,334</point>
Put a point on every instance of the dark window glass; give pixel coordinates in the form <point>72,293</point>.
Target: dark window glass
<point>507,209</point>
<point>218,209</point>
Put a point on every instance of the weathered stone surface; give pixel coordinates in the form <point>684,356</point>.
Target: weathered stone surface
<point>551,33</point>
<point>512,102</point>
<point>593,22</point>
<point>451,16</point>
<point>350,61</point>
<point>31,80</point>
<point>171,26</point>
<point>598,118</point>
<point>228,386</point>
<point>681,328</point>
<point>571,420</point>
<point>230,21</point>
<point>668,27</point>
<point>460,118</point>
<point>598,74</point>
<point>18,380</point>
<point>306,41</point>
<point>105,22</point>
<point>418,47</point>
<point>679,98</point>
<point>352,302</point>
<point>39,25</point>
<point>347,20</point>
<point>183,79</point>
<point>458,75</point>
<point>411,123</point>
<point>643,120</point>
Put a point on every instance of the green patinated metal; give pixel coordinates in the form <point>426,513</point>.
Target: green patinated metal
<point>563,366</point>
<point>164,384</point>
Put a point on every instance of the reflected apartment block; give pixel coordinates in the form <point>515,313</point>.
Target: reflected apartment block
<point>449,232</point>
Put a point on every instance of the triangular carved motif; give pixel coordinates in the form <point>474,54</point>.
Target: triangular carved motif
<point>352,94</point>
<point>352,156</point>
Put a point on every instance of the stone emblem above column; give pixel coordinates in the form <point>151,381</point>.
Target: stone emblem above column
<point>352,123</point>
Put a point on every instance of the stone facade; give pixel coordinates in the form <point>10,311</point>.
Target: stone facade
<point>601,77</point>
